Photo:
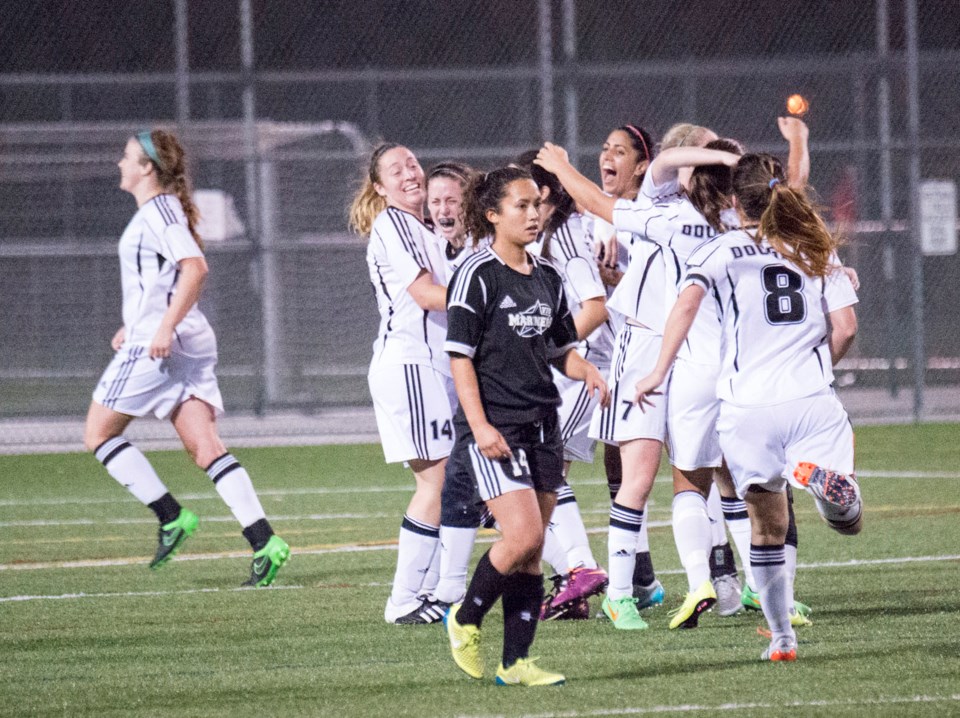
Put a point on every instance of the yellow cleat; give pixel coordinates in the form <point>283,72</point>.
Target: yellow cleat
<point>525,672</point>
<point>695,603</point>
<point>464,644</point>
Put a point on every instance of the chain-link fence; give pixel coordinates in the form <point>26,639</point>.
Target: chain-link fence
<point>278,101</point>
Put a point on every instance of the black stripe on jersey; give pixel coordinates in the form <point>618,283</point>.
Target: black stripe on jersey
<point>643,278</point>
<point>167,214</point>
<point>608,416</point>
<point>461,285</point>
<point>401,224</point>
<point>418,421</point>
<point>565,242</point>
<point>816,352</point>
<point>699,279</point>
<point>736,321</point>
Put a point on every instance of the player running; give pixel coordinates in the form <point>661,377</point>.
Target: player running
<point>166,353</point>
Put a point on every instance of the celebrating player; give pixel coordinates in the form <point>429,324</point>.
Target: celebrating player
<point>409,374</point>
<point>787,315</point>
<point>508,321</point>
<point>166,352</point>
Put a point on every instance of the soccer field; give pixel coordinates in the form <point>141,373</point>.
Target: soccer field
<point>88,629</point>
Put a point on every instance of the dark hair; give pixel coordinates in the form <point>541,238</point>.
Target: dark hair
<point>452,170</point>
<point>641,140</point>
<point>367,204</point>
<point>484,193</point>
<point>711,185</point>
<point>171,167</point>
<point>563,204</point>
<point>787,219</point>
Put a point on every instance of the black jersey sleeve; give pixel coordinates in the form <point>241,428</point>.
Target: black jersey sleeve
<point>466,309</point>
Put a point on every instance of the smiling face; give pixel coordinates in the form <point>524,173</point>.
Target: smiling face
<point>134,166</point>
<point>445,201</point>
<point>621,165</point>
<point>516,220</point>
<point>400,180</point>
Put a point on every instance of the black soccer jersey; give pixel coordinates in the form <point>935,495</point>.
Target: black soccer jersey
<point>511,325</point>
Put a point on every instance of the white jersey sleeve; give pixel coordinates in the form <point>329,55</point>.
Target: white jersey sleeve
<point>838,291</point>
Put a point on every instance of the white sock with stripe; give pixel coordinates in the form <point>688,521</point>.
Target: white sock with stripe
<point>625,524</point>
<point>693,537</point>
<point>127,464</point>
<point>554,553</point>
<point>769,569</point>
<point>567,523</point>
<point>417,546</point>
<point>236,489</point>
<point>738,521</point>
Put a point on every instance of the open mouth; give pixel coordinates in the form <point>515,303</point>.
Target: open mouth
<point>446,222</point>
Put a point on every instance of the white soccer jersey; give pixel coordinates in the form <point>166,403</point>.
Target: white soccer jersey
<point>663,214</point>
<point>150,249</point>
<point>452,258</point>
<point>648,289</point>
<point>775,332</point>
<point>400,247</point>
<point>570,256</point>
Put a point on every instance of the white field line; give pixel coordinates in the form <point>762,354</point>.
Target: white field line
<point>659,710</point>
<point>205,519</point>
<point>357,549</point>
<point>321,491</point>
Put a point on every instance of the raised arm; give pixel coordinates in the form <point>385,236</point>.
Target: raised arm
<point>796,133</point>
<point>553,158</point>
<point>666,166</point>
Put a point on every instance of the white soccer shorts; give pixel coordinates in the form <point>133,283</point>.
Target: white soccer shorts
<point>136,385</point>
<point>692,412</point>
<point>414,405</point>
<point>576,410</point>
<point>763,445</point>
<point>634,357</point>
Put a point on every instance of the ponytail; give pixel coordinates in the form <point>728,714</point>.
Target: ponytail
<point>164,151</point>
<point>711,185</point>
<point>787,219</point>
<point>367,203</point>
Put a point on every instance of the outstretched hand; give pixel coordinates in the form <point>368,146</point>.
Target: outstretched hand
<point>552,157</point>
<point>793,129</point>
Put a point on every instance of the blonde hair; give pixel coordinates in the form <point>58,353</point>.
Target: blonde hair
<point>685,134</point>
<point>788,221</point>
<point>367,204</point>
<point>170,164</point>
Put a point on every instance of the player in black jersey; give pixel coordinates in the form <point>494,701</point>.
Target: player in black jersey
<point>508,321</point>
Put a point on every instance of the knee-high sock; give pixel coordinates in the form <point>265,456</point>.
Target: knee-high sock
<point>735,514</point>
<point>127,464</point>
<point>236,489</point>
<point>522,596</point>
<point>625,524</point>
<point>567,525</point>
<point>486,586</point>
<point>692,535</point>
<point>770,572</point>
<point>553,551</point>
<point>456,547</point>
<point>715,512</point>
<point>415,551</point>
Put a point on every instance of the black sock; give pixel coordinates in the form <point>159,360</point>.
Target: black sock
<point>258,534</point>
<point>166,508</point>
<point>643,574</point>
<point>522,597</point>
<point>722,562</point>
<point>485,588</point>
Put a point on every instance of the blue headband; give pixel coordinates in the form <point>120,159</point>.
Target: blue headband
<point>146,141</point>
<point>773,183</point>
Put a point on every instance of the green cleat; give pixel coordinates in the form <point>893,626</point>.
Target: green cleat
<point>623,613</point>
<point>799,614</point>
<point>464,644</point>
<point>525,672</point>
<point>695,603</point>
<point>172,535</point>
<point>267,561</point>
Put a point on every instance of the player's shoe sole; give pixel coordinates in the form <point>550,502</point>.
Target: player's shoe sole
<point>830,486</point>
<point>172,535</point>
